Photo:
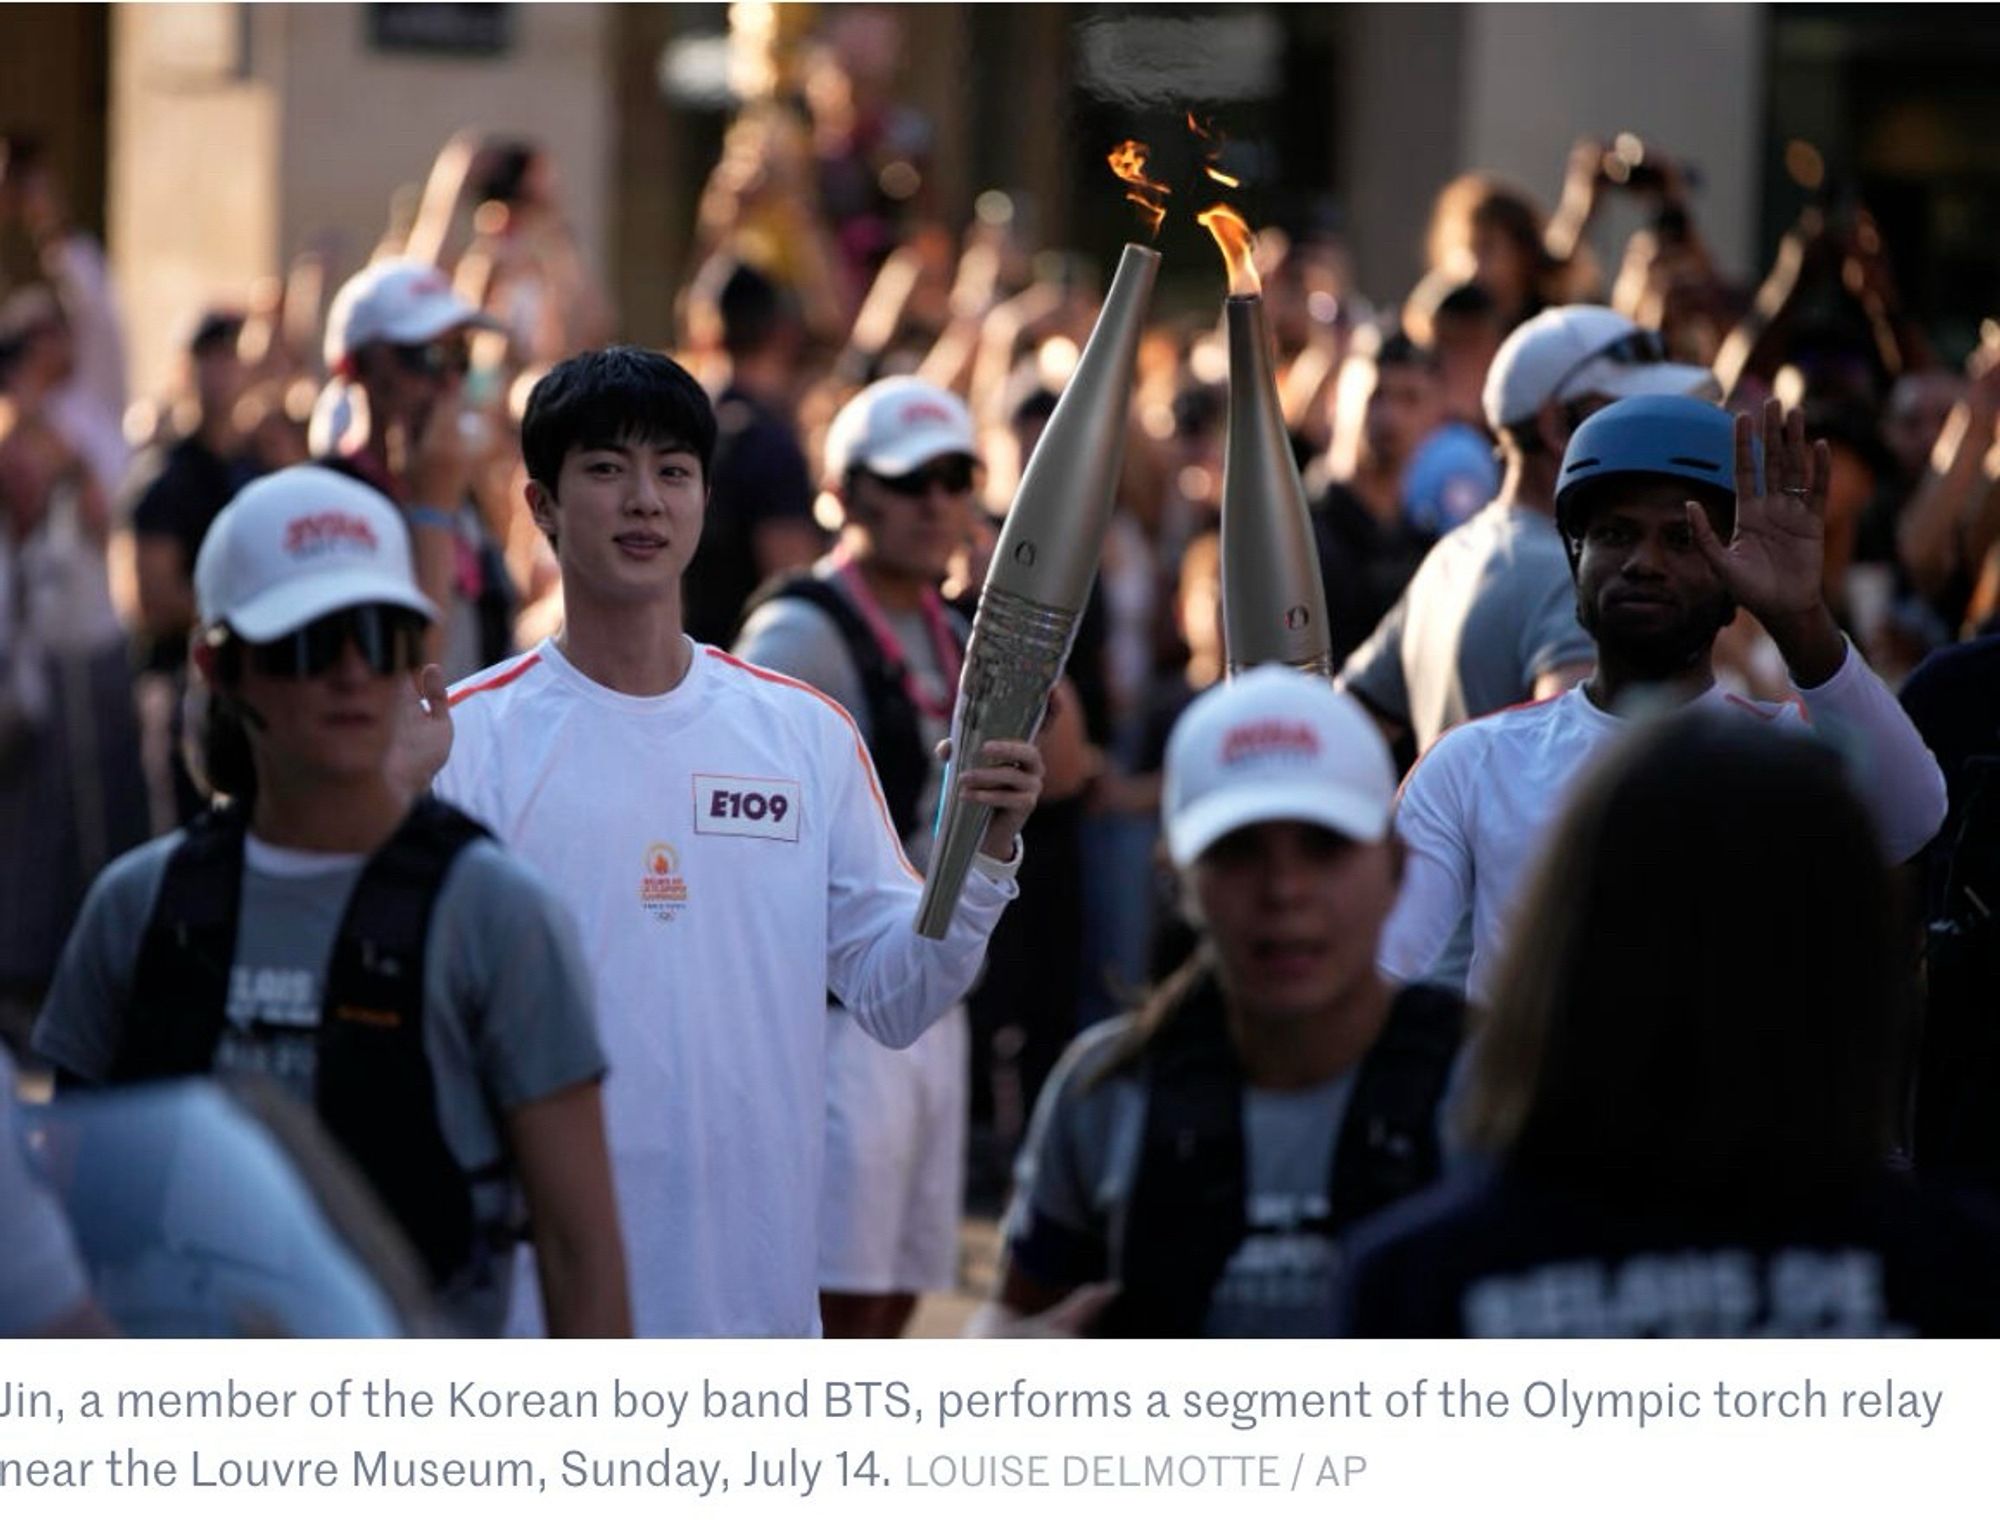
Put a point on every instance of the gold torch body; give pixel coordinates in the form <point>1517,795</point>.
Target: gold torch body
<point>1039,578</point>
<point>1273,603</point>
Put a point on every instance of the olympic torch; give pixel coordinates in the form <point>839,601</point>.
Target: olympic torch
<point>1040,575</point>
<point>1273,603</point>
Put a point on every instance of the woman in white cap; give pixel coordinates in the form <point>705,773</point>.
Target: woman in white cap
<point>385,961</point>
<point>1203,1154</point>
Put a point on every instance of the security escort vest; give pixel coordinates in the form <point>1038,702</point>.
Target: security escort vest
<point>1185,1215</point>
<point>373,1087</point>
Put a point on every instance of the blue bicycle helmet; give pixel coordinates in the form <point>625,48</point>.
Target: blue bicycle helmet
<point>1661,435</point>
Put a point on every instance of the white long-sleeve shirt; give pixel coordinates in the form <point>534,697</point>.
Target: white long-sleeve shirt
<point>1477,807</point>
<point>728,856</point>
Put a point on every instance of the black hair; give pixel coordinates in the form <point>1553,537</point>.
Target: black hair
<point>1703,1001</point>
<point>501,181</point>
<point>1199,408</point>
<point>753,308</point>
<point>22,152</point>
<point>1037,403</point>
<point>216,749</point>
<point>1468,300</point>
<point>1396,349</point>
<point>607,398</point>
<point>216,330</point>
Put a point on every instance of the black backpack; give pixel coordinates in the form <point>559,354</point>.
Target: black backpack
<point>374,1092</point>
<point>895,733</point>
<point>1185,1218</point>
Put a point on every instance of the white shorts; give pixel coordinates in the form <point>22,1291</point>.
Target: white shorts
<point>893,1187</point>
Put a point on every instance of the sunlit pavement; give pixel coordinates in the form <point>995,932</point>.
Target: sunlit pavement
<point>944,1314</point>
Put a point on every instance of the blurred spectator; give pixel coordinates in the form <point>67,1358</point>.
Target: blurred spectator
<point>1458,323</point>
<point>759,521</point>
<point>1686,1089</point>
<point>1952,521</point>
<point>761,206</point>
<point>71,792</point>
<point>1954,699</point>
<point>1486,232</point>
<point>1920,405</point>
<point>1829,306</point>
<point>1388,401</point>
<point>872,150</point>
<point>524,266</point>
<point>179,492</point>
<point>401,337</point>
<point>72,338</point>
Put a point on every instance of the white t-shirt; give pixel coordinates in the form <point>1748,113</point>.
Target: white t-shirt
<point>1475,809</point>
<point>727,853</point>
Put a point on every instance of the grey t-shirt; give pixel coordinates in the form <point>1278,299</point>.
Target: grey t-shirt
<point>1081,1158</point>
<point>798,639</point>
<point>508,1015</point>
<point>1491,607</point>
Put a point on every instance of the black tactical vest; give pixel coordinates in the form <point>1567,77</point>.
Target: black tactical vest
<point>1185,1217</point>
<point>374,1091</point>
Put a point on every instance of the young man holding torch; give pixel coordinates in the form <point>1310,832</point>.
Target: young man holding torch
<point>727,846</point>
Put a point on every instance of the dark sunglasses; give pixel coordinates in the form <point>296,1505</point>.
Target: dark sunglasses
<point>1643,347</point>
<point>389,639</point>
<point>952,474</point>
<point>436,358</point>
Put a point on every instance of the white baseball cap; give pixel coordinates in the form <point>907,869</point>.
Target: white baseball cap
<point>405,302</point>
<point>1272,745</point>
<point>1577,350</point>
<point>298,545</point>
<point>894,427</point>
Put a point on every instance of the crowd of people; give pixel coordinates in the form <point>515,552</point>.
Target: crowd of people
<point>525,748</point>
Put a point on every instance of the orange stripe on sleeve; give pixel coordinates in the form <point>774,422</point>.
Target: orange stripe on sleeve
<point>498,682</point>
<point>860,744</point>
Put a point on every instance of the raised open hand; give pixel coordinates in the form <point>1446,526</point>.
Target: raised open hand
<point>1774,561</point>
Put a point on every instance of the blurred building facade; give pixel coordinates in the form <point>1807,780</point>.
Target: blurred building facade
<point>212,142</point>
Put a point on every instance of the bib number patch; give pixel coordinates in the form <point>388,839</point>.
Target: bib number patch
<point>747,807</point>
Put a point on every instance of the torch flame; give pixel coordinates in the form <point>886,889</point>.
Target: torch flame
<point>1233,235</point>
<point>1128,163</point>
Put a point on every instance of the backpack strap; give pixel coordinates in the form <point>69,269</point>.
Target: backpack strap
<point>895,734</point>
<point>1184,1216</point>
<point>1388,1139</point>
<point>180,985</point>
<point>375,1091</point>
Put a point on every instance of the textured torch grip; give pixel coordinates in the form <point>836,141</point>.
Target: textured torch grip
<point>1012,661</point>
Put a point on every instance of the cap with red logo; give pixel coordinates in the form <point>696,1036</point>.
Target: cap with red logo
<point>298,545</point>
<point>405,302</point>
<point>1274,745</point>
<point>894,427</point>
